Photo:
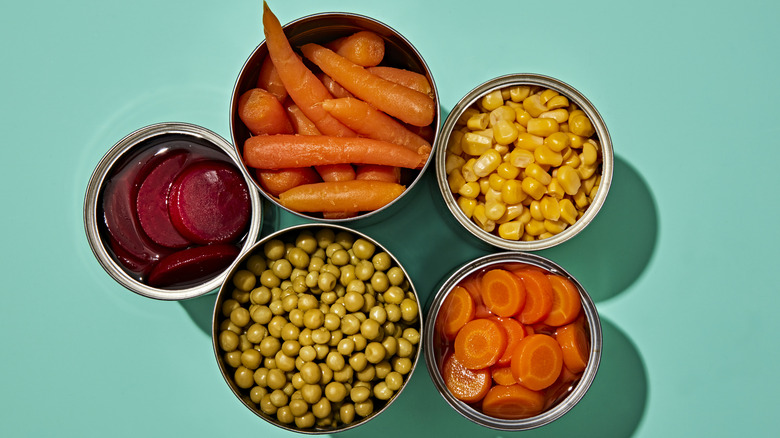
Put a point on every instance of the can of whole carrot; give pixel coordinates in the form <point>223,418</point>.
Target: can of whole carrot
<point>328,148</point>
<point>512,341</point>
<point>167,211</point>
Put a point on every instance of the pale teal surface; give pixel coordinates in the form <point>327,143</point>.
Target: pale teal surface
<point>681,262</point>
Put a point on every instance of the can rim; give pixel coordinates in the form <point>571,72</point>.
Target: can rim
<point>564,405</point>
<point>345,16</point>
<point>90,211</point>
<point>525,79</point>
<point>222,293</point>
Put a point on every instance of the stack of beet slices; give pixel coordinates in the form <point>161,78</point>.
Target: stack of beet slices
<point>176,218</point>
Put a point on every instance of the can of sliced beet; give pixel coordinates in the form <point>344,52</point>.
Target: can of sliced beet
<point>167,211</point>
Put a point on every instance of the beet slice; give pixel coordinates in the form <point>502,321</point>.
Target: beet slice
<point>209,202</point>
<point>152,202</point>
<point>192,264</point>
<point>133,248</point>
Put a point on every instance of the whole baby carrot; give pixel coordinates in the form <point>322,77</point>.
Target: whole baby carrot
<point>302,85</point>
<point>376,172</point>
<point>262,113</point>
<point>300,123</point>
<point>276,181</point>
<point>372,123</point>
<point>407,78</point>
<point>340,196</point>
<point>364,48</point>
<point>283,151</point>
<point>401,102</point>
<point>333,87</point>
<point>270,81</point>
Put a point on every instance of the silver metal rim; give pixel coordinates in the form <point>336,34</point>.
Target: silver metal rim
<point>551,414</point>
<point>226,289</point>
<point>364,22</point>
<point>573,95</point>
<point>91,220</point>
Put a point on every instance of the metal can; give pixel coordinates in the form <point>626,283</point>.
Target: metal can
<point>433,342</point>
<point>148,141</point>
<point>322,28</point>
<point>234,292</point>
<point>573,96</point>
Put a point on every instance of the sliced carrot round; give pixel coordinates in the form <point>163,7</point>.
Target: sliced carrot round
<point>502,292</point>
<point>539,296</point>
<point>574,346</point>
<point>537,361</point>
<point>456,310</point>
<point>566,304</point>
<point>515,332</point>
<point>480,343</point>
<point>512,402</point>
<point>467,385</point>
<point>502,375</point>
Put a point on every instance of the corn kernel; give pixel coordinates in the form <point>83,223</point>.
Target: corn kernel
<point>468,170</point>
<point>534,227</point>
<point>475,144</point>
<point>504,132</point>
<point>575,141</point>
<point>484,185</point>
<point>487,133</point>
<point>480,218</point>
<point>555,189</point>
<point>569,178</point>
<point>494,210</point>
<point>521,158</point>
<point>502,150</point>
<point>533,104</point>
<point>453,162</point>
<point>454,142</point>
<point>568,211</point>
<point>510,230</point>
<point>589,183</point>
<point>522,117</point>
<point>504,112</point>
<point>478,121</point>
<point>513,211</point>
<point>555,226</point>
<point>469,190</point>
<point>496,181</point>
<point>525,216</point>
<point>557,141</point>
<point>493,195</point>
<point>507,170</point>
<point>545,235</point>
<point>573,160</point>
<point>527,237</point>
<point>586,172</point>
<point>492,100</point>
<point>528,141</point>
<point>487,162</point>
<point>519,92</point>
<point>467,205</point>
<point>579,123</point>
<point>545,155</point>
<point>542,127</point>
<point>580,199</point>
<point>512,192</point>
<point>547,94</point>
<point>560,115</point>
<point>590,153</point>
<point>505,93</point>
<point>536,210</point>
<point>466,115</point>
<point>536,172</point>
<point>592,192</point>
<point>564,126</point>
<point>550,208</point>
<point>455,180</point>
<point>533,187</point>
<point>558,102</point>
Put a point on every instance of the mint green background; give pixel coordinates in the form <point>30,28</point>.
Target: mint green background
<point>681,261</point>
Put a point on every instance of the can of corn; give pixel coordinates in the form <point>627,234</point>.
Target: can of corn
<point>524,162</point>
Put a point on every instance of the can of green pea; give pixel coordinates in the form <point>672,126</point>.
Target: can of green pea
<point>317,328</point>
<point>505,399</point>
<point>129,225</point>
<point>533,166</point>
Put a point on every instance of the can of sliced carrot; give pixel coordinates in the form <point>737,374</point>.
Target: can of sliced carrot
<point>167,211</point>
<point>328,147</point>
<point>512,341</point>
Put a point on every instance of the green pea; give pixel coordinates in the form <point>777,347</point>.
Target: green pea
<point>353,301</point>
<point>375,352</point>
<point>289,302</point>
<point>266,406</point>
<point>347,413</point>
<point>228,340</point>
<point>335,392</point>
<point>363,249</point>
<point>394,295</point>
<point>269,279</point>
<point>244,279</point>
<point>284,415</point>
<point>370,329</point>
<point>364,409</point>
<point>275,326</point>
<point>233,358</point>
<point>359,394</point>
<point>391,345</point>
<point>409,309</point>
<point>296,317</point>
<point>260,295</point>
<point>298,258</point>
<point>331,321</point>
<point>322,408</point>
<point>257,393</point>
<point>320,336</point>
<point>282,268</point>
<point>240,316</point>
<point>274,249</point>
<point>350,324</point>
<point>346,346</point>
<point>335,337</point>
<point>307,353</point>
<point>379,282</point>
<point>326,281</point>
<point>251,359</point>
<point>298,407</point>
<point>382,391</point>
<point>261,377</point>
<point>228,306</point>
<point>345,239</point>
<point>358,361</point>
<point>412,335</point>
<point>340,257</point>
<point>396,276</point>
<point>383,369</point>
<point>313,319</point>
<point>284,362</point>
<point>311,393</point>
<point>402,365</point>
<point>325,236</point>
<point>256,264</point>
<point>310,372</point>
<point>364,270</point>
<point>291,347</point>
<point>368,374</point>
<point>378,314</point>
<point>307,302</point>
<point>276,379</point>
<point>394,380</point>
<point>269,346</point>
<point>241,296</point>
<point>306,242</point>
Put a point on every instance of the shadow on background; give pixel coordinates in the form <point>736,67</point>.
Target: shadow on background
<point>613,250</point>
<point>613,407</point>
<point>200,310</point>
